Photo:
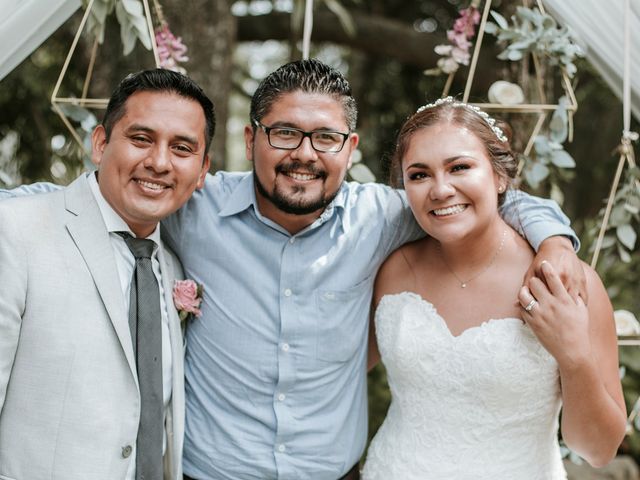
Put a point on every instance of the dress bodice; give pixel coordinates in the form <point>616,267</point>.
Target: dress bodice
<point>481,405</point>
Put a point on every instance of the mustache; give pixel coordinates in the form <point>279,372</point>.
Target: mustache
<point>299,167</point>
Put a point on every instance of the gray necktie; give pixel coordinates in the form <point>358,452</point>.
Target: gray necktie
<point>145,322</point>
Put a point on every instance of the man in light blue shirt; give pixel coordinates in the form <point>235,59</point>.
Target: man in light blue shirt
<point>276,365</point>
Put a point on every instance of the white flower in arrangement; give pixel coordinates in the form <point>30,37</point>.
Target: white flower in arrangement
<point>505,93</point>
<point>626,323</point>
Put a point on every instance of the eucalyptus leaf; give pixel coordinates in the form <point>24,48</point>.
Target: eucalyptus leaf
<point>514,55</point>
<point>536,174</point>
<point>490,28</point>
<point>624,255</point>
<point>558,125</point>
<point>627,236</point>
<point>527,14</point>
<point>619,216</point>
<point>556,194</point>
<point>560,158</point>
<point>631,209</point>
<point>541,145</point>
<point>608,241</point>
<point>500,20</point>
<point>133,7</point>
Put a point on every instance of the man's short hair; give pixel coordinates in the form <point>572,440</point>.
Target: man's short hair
<point>309,76</point>
<point>158,80</point>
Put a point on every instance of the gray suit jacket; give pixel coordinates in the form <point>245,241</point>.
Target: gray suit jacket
<point>69,398</point>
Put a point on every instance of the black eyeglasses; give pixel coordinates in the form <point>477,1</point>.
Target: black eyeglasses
<point>289,138</point>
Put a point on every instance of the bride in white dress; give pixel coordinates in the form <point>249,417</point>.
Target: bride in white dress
<point>480,367</point>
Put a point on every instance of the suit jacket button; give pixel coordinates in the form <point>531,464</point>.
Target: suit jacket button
<point>126,451</point>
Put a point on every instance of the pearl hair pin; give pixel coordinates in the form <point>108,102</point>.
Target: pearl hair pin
<point>484,115</point>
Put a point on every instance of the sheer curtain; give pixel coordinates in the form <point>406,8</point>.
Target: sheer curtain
<point>600,28</point>
<point>25,24</point>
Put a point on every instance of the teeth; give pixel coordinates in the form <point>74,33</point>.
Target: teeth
<point>152,186</point>
<point>449,210</point>
<point>301,176</point>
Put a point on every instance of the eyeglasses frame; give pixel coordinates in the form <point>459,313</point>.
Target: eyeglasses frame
<point>267,131</point>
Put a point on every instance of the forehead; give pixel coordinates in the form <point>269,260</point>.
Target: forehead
<point>307,110</point>
<point>163,112</point>
<point>441,141</point>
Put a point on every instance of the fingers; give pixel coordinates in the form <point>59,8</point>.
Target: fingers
<point>527,301</point>
<point>551,277</point>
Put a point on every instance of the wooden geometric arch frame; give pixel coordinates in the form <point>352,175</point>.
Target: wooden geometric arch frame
<point>540,109</point>
<point>83,100</point>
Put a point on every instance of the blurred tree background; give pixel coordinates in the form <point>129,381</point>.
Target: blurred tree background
<point>383,46</point>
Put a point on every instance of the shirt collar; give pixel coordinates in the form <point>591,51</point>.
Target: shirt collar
<point>244,196</point>
<point>112,220</point>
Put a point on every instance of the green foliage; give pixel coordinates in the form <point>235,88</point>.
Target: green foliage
<point>85,121</point>
<point>130,14</point>
<point>550,161</point>
<point>620,235</point>
<point>535,32</point>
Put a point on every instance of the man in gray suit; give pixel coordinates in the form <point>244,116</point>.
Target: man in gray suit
<point>72,395</point>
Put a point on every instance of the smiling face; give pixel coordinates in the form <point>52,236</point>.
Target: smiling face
<point>450,182</point>
<point>153,160</point>
<point>294,186</point>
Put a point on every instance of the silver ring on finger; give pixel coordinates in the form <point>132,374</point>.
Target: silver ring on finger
<point>530,305</point>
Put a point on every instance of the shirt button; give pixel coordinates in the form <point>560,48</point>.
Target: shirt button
<point>292,240</point>
<point>281,448</point>
<point>287,292</point>
<point>281,397</point>
<point>285,347</point>
<point>126,451</point>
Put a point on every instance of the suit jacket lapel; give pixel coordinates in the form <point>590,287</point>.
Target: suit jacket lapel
<point>90,235</point>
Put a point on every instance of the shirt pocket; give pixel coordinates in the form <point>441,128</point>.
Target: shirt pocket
<point>341,325</point>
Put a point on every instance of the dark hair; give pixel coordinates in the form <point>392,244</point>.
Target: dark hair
<point>309,76</point>
<point>502,158</point>
<point>158,80</point>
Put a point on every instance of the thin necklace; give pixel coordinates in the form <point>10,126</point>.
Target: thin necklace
<point>463,283</point>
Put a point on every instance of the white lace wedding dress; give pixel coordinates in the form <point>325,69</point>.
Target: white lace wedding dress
<point>482,405</point>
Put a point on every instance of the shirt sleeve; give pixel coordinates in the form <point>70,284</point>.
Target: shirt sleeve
<point>34,188</point>
<point>536,218</point>
<point>400,224</point>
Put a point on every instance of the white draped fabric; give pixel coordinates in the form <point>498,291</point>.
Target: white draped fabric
<point>25,24</point>
<point>599,24</point>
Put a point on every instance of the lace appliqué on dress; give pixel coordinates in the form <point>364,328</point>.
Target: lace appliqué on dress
<point>482,405</point>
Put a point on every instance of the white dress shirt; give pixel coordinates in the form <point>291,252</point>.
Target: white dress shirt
<point>125,263</point>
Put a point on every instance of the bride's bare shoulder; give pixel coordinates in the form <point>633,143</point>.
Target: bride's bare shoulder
<point>398,272</point>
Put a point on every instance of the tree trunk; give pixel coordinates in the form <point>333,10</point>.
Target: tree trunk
<point>209,31</point>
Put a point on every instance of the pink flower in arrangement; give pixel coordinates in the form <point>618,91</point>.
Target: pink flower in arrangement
<point>171,50</point>
<point>457,52</point>
<point>466,23</point>
<point>187,297</point>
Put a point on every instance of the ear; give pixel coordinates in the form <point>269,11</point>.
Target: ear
<point>352,141</point>
<point>98,144</point>
<point>206,163</point>
<point>249,138</point>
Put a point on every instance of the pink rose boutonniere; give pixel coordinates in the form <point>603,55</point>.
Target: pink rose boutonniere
<point>187,297</point>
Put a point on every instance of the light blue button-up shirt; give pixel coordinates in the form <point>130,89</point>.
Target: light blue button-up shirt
<point>276,365</point>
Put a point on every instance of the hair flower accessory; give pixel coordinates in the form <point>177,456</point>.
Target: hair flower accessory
<point>187,297</point>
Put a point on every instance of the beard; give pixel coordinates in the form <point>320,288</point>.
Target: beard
<point>295,202</point>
